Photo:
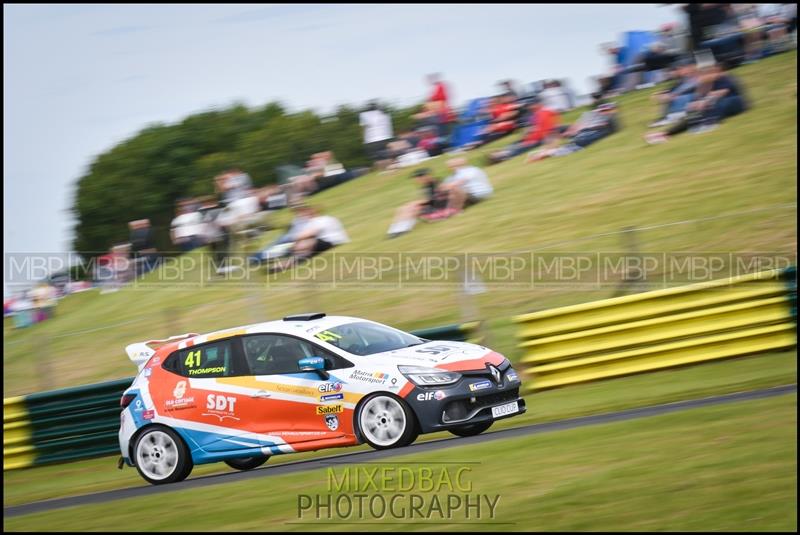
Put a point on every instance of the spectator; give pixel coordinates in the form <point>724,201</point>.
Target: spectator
<point>319,234</point>
<point>283,245</point>
<point>433,200</point>
<point>718,97</point>
<point>142,248</point>
<point>467,185</point>
<point>661,54</point>
<point>544,125</point>
<point>555,97</point>
<point>436,110</point>
<point>503,114</point>
<point>592,126</point>
<point>377,127</point>
<point>187,229</point>
<point>678,97</point>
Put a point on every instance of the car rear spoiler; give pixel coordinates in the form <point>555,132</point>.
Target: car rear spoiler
<point>140,352</point>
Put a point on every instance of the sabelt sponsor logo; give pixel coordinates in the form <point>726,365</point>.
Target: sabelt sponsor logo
<point>369,377</point>
<point>330,409</point>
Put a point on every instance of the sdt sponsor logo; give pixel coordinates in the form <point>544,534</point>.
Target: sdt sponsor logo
<point>221,403</point>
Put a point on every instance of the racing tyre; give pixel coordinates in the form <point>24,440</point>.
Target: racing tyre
<point>247,463</point>
<point>471,430</point>
<point>161,456</point>
<point>386,421</point>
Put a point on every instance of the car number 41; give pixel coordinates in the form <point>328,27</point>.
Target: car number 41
<point>503,410</point>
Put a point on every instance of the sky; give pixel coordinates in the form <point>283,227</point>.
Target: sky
<point>80,78</point>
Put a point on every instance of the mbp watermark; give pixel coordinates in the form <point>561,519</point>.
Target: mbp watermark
<point>370,492</point>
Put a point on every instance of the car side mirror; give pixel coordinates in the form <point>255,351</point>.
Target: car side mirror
<point>313,364</point>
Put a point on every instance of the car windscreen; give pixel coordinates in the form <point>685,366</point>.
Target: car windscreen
<point>365,338</point>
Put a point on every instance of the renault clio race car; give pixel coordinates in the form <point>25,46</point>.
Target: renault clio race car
<point>306,382</point>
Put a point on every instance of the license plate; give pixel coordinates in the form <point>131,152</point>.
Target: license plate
<point>504,410</point>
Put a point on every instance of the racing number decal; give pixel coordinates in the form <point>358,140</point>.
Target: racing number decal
<point>192,359</point>
<point>434,350</point>
<point>327,336</point>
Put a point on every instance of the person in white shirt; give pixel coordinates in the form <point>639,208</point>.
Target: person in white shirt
<point>466,186</point>
<point>378,132</point>
<point>555,97</point>
<point>320,233</point>
<point>188,228</point>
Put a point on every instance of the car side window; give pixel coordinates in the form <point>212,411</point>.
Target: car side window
<point>216,359</point>
<point>274,354</point>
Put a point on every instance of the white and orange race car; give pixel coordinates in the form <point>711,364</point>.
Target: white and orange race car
<point>306,382</point>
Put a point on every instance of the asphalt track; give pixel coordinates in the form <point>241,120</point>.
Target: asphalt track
<point>372,456</point>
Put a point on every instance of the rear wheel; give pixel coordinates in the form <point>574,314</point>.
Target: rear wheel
<point>247,463</point>
<point>161,456</point>
<point>471,430</point>
<point>386,421</point>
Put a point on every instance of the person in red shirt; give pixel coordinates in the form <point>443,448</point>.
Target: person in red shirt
<point>544,126</point>
<point>437,111</point>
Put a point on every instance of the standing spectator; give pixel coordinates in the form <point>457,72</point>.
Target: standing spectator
<point>378,132</point>
<point>142,248</point>
<point>437,111</point>
<point>544,125</point>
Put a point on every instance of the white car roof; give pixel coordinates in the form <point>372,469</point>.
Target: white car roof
<point>302,328</point>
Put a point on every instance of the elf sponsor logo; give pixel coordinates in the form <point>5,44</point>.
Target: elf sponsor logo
<point>330,387</point>
<point>330,409</point>
<point>427,396</point>
<point>367,377</point>
<point>483,385</point>
<point>331,397</point>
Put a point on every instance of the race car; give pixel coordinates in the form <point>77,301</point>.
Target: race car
<point>306,382</point>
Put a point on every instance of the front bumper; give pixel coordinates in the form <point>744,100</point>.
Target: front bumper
<point>460,404</point>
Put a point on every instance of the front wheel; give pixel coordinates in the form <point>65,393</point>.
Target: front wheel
<point>471,430</point>
<point>247,463</point>
<point>386,421</point>
<point>161,456</point>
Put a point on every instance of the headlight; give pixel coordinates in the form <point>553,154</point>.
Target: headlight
<point>422,376</point>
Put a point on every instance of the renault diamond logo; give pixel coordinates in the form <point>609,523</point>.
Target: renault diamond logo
<point>495,373</point>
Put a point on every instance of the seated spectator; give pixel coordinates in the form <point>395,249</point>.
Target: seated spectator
<point>544,125</point>
<point>503,114</point>
<point>660,54</point>
<point>719,96</point>
<point>282,246</point>
<point>320,233</point>
<point>187,229</point>
<point>554,96</point>
<point>592,126</point>
<point>677,98</point>
<point>322,171</point>
<point>430,142</point>
<point>433,200</point>
<point>467,185</point>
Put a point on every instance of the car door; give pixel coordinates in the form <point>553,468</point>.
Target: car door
<point>195,399</point>
<point>297,406</point>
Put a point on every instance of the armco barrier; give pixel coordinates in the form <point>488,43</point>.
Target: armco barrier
<point>82,422</point>
<point>659,329</point>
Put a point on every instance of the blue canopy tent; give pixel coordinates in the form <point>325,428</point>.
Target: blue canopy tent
<point>470,123</point>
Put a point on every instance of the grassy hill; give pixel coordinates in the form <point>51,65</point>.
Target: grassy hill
<point>730,190</point>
